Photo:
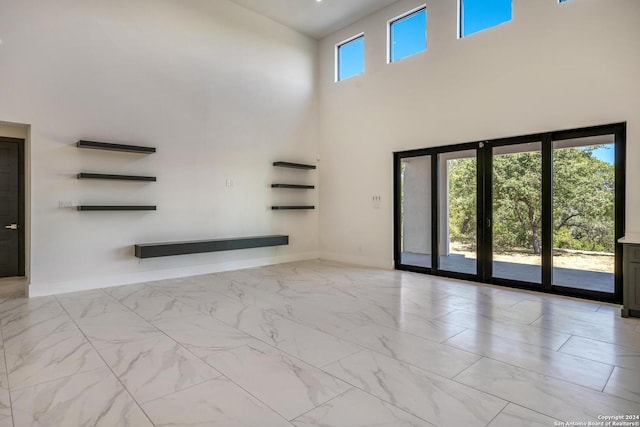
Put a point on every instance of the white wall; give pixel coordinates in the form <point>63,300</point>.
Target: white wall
<point>417,205</point>
<point>220,91</point>
<point>554,66</point>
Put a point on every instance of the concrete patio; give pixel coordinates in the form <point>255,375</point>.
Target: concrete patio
<point>579,279</point>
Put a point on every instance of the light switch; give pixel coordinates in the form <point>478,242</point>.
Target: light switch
<point>377,201</point>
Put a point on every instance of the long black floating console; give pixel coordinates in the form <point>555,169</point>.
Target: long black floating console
<point>154,250</point>
<point>87,175</point>
<point>115,208</point>
<point>301,187</point>
<point>289,208</point>
<point>116,147</point>
<point>293,165</point>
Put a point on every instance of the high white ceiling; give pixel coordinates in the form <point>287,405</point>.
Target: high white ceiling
<point>316,19</point>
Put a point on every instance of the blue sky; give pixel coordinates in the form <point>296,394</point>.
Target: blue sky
<point>409,34</point>
<point>478,15</point>
<point>351,58</point>
<point>606,153</point>
<point>409,37</point>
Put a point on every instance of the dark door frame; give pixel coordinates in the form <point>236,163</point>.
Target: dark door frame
<point>21,201</point>
<point>484,209</point>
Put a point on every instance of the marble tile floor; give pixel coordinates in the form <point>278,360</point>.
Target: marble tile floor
<point>314,343</point>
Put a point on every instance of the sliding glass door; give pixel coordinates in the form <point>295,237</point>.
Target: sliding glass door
<point>415,211</point>
<point>584,243</point>
<point>457,207</point>
<point>516,211</point>
<point>539,211</point>
<point>436,207</point>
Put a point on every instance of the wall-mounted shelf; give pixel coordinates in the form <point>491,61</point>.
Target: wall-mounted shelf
<point>115,208</point>
<point>154,250</point>
<point>88,175</point>
<point>296,186</point>
<point>116,147</point>
<point>293,186</point>
<point>290,208</point>
<point>293,165</point>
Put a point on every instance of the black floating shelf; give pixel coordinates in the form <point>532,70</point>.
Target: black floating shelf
<point>291,208</point>
<point>87,175</point>
<point>293,165</point>
<point>116,147</point>
<point>154,250</point>
<point>301,187</point>
<point>115,208</point>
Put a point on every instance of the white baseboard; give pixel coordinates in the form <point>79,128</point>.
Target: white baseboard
<point>357,260</point>
<point>43,289</point>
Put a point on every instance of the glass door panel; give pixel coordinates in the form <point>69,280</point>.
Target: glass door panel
<point>584,213</point>
<point>415,211</point>
<point>517,212</point>
<point>457,229</point>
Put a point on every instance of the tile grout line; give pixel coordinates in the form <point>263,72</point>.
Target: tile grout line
<point>587,337</point>
<point>366,348</point>
<point>537,318</point>
<point>341,359</point>
<point>537,373</point>
<point>182,347</point>
<point>527,408</point>
<point>324,403</point>
<point>4,352</point>
<point>250,394</point>
<point>106,364</point>
<point>230,326</point>
<point>416,335</point>
<point>268,310</point>
<point>262,309</point>
<point>607,343</point>
<point>444,342</point>
<point>58,379</point>
<point>222,375</point>
<point>362,349</point>
<point>507,403</point>
<point>6,369</point>
<point>565,343</point>
<point>384,400</point>
<point>608,379</point>
<point>520,325</point>
<point>494,395</point>
<point>542,373</point>
<point>150,322</point>
<point>540,348</point>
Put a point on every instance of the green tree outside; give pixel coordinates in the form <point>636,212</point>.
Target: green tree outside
<point>583,208</point>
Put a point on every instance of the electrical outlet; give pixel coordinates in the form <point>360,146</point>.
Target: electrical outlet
<point>64,204</point>
<point>377,201</point>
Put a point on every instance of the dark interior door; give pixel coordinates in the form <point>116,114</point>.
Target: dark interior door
<point>9,208</point>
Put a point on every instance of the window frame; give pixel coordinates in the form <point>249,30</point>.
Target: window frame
<point>484,272</point>
<point>398,18</point>
<point>337,56</point>
<point>461,21</point>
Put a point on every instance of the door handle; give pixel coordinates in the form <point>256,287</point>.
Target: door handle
<point>11,227</point>
<point>482,223</point>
